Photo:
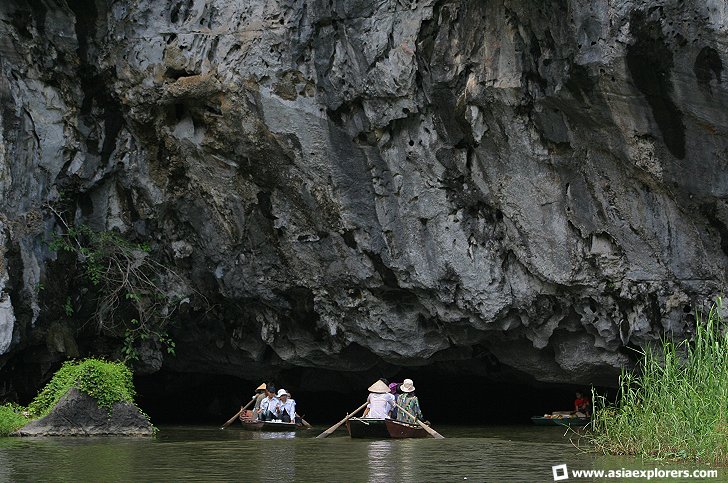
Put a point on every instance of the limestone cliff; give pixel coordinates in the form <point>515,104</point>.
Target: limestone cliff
<point>509,187</point>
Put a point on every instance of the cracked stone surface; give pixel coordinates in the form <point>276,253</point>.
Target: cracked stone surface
<point>356,185</point>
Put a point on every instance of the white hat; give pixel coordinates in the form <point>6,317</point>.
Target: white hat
<point>282,392</point>
<point>379,387</point>
<point>407,386</point>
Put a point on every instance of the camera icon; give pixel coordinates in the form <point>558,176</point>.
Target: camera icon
<point>560,472</point>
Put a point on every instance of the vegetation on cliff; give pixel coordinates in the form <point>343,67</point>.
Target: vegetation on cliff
<point>135,295</point>
<point>675,405</point>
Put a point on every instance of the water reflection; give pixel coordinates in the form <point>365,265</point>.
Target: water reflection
<point>380,461</point>
<point>274,435</point>
<point>208,454</point>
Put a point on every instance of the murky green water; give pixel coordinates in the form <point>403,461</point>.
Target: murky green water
<point>208,454</point>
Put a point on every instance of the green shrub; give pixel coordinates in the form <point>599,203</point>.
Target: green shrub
<point>677,405</point>
<point>106,382</point>
<point>11,419</point>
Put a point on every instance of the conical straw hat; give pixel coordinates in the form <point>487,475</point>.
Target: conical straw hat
<point>379,387</point>
<point>261,387</point>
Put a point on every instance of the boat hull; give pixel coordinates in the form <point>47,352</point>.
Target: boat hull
<point>399,430</point>
<point>251,424</point>
<point>367,428</point>
<point>542,421</point>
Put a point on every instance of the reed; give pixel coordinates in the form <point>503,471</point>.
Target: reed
<point>675,404</point>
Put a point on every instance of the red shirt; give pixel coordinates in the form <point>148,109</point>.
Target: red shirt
<point>581,402</point>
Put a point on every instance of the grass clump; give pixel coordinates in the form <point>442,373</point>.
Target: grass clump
<point>11,419</point>
<point>107,382</point>
<point>676,405</point>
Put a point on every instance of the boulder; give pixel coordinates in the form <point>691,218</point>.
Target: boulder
<point>78,414</point>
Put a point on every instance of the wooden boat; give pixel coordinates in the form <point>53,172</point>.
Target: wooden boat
<point>367,428</point>
<point>560,421</point>
<point>398,429</point>
<point>252,424</point>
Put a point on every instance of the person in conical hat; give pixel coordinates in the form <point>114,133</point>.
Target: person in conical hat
<point>259,396</point>
<point>407,399</point>
<point>380,401</point>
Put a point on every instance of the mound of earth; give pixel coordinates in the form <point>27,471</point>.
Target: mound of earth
<point>78,414</point>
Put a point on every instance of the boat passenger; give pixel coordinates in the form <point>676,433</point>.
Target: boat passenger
<point>288,407</point>
<point>409,402</point>
<point>380,401</point>
<point>270,406</point>
<point>394,390</point>
<point>582,406</point>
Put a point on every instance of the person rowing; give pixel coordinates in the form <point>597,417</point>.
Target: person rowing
<point>259,396</point>
<point>380,401</point>
<point>411,404</point>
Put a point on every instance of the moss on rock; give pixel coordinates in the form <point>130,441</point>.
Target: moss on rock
<point>106,382</point>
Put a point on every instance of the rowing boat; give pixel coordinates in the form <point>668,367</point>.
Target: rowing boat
<point>367,428</point>
<point>398,429</point>
<point>252,424</point>
<point>560,421</point>
<point>383,429</point>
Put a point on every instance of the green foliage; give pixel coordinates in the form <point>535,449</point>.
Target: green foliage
<point>677,405</point>
<point>128,281</point>
<point>67,307</point>
<point>11,419</point>
<point>106,382</point>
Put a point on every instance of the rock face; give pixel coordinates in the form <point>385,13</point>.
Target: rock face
<point>509,187</point>
<point>77,414</point>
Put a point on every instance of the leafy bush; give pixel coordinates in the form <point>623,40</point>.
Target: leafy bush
<point>137,296</point>
<point>11,419</point>
<point>677,405</point>
<point>106,382</point>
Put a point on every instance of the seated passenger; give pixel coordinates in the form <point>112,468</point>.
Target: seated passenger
<point>380,401</point>
<point>394,390</point>
<point>287,408</point>
<point>270,406</point>
<point>409,402</point>
<point>582,406</point>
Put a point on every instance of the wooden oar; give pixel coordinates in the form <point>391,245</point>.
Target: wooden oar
<point>230,421</point>
<point>305,423</point>
<point>336,426</point>
<point>432,432</point>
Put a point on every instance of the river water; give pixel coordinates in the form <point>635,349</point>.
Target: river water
<point>194,453</point>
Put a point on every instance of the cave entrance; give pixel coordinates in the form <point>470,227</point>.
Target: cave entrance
<point>183,398</point>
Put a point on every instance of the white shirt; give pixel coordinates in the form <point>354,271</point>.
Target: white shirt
<point>380,405</point>
<point>290,407</point>
<point>269,404</point>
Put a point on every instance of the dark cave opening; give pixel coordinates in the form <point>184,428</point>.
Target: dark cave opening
<point>183,398</point>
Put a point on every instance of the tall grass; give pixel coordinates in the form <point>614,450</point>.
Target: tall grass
<point>11,419</point>
<point>675,404</point>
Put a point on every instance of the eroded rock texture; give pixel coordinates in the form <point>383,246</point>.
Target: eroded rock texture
<point>502,187</point>
<point>78,414</point>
